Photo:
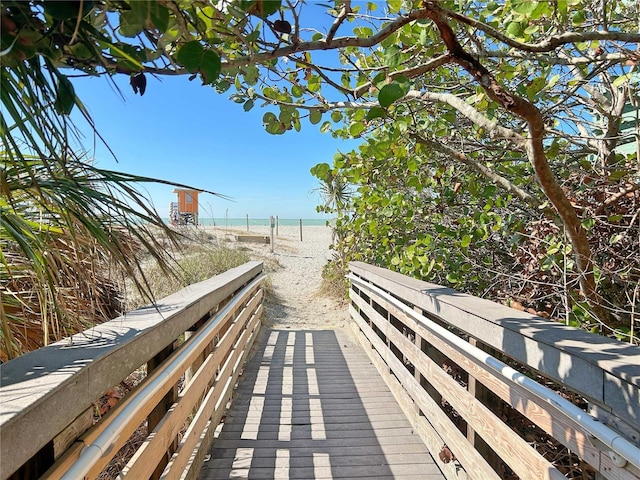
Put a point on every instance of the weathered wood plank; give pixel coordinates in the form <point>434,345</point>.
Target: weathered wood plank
<point>253,239</point>
<point>569,355</point>
<point>392,471</point>
<point>338,422</point>
<point>475,466</point>
<point>300,460</point>
<point>68,376</point>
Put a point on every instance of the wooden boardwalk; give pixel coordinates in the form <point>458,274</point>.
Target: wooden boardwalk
<point>311,405</point>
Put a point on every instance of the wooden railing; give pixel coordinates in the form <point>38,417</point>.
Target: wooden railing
<point>463,369</point>
<point>196,339</point>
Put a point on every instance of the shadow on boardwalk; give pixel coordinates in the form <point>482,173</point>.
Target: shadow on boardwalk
<point>311,405</point>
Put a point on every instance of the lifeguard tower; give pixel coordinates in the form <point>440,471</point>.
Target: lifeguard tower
<point>185,210</point>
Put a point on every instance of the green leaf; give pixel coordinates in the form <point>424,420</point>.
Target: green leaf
<point>261,8</point>
<point>313,84</point>
<point>392,56</point>
<point>315,117</point>
<point>422,39</point>
<point>413,182</point>
<point>130,24</point>
<point>615,238</point>
<point>336,116</point>
<point>127,56</point>
<point>453,277</point>
<point>210,66</point>
<point>622,79</point>
<point>390,93</point>
<point>248,105</point>
<point>297,91</point>
<point>159,16</point>
<point>588,223</point>
<point>321,171</point>
<point>269,118</point>
<point>363,32</point>
<point>269,7</point>
<point>466,241</point>
<point>325,127</point>
<point>616,175</point>
<point>63,10</point>
<point>524,7</point>
<point>514,29</point>
<point>356,129</point>
<point>144,14</point>
<point>375,112</point>
<point>579,17</point>
<point>394,5</point>
<point>65,96</point>
<point>535,86</point>
<point>190,55</point>
<point>251,74</point>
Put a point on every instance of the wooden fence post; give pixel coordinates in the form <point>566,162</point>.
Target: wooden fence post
<point>162,408</point>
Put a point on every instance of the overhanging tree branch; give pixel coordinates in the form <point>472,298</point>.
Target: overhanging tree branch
<point>481,169</point>
<point>548,44</point>
<point>535,151</point>
<point>335,43</point>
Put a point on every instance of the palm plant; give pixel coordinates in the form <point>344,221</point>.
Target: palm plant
<point>64,223</point>
<point>62,231</point>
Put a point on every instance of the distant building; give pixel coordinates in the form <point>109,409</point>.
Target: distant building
<point>185,210</point>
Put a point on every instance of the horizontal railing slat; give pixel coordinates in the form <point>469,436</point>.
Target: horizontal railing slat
<point>408,313</point>
<point>68,376</point>
<point>515,451</point>
<point>604,370</point>
<point>213,407</point>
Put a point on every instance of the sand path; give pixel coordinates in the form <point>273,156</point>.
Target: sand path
<point>295,272</point>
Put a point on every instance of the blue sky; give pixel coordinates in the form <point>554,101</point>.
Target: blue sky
<point>187,133</point>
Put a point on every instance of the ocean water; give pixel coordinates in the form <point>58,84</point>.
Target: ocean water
<point>262,222</point>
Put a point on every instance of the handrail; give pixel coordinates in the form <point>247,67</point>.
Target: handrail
<point>628,451</point>
<point>70,376</point>
<point>92,452</point>
<point>454,363</point>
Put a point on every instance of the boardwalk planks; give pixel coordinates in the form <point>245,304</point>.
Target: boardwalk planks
<point>313,406</point>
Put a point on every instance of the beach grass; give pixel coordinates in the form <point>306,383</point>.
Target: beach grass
<point>201,257</point>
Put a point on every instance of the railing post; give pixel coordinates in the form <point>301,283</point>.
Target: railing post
<point>37,465</point>
<point>162,408</point>
<point>473,390</point>
<point>418,376</point>
<point>479,391</point>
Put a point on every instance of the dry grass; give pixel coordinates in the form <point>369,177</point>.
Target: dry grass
<point>200,256</point>
<point>334,283</point>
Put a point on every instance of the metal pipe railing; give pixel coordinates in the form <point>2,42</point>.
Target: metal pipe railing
<point>591,426</point>
<point>91,453</point>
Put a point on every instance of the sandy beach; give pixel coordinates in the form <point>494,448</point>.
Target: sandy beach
<point>295,271</point>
